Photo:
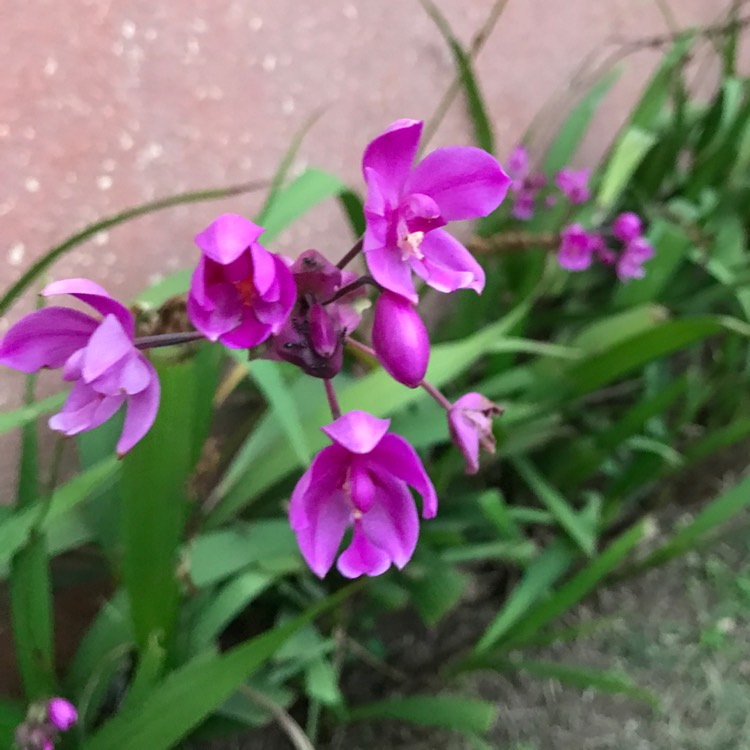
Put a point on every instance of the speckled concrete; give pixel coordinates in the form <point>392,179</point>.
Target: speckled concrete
<point>107,103</point>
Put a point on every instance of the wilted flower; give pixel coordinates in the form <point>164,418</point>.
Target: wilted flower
<point>400,339</point>
<point>576,249</point>
<point>406,207</point>
<point>361,481</point>
<point>61,713</point>
<point>470,423</point>
<point>240,294</point>
<point>312,337</point>
<point>574,184</point>
<point>98,356</point>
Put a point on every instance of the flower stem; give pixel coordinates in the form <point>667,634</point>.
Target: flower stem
<point>349,257</point>
<point>333,402</point>
<point>429,387</point>
<point>167,339</point>
<point>436,394</point>
<point>361,281</point>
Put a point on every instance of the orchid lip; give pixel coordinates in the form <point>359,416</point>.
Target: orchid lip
<point>409,245</point>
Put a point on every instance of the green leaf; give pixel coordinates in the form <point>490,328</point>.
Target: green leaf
<point>449,712</point>
<point>483,136</point>
<point>189,694</point>
<point>556,504</point>
<point>615,682</point>
<point>626,158</point>
<point>154,502</point>
<point>718,512</point>
<point>294,200</point>
<point>537,581</point>
<point>11,715</point>
<point>574,590</point>
<point>68,244</point>
<point>30,586</point>
<point>436,588</point>
<point>267,376</point>
<point>229,602</point>
<point>321,683</point>
<point>219,554</point>
<point>353,207</point>
<point>30,412</point>
<point>563,148</point>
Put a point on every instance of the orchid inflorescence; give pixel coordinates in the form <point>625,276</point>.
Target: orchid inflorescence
<point>621,245</point>
<point>305,312</point>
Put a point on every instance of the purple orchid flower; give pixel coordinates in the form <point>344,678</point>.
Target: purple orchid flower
<point>61,713</point>
<point>406,208</point>
<point>631,260</point>
<point>240,293</point>
<point>400,339</point>
<point>98,356</point>
<point>312,337</point>
<point>627,227</point>
<point>470,424</point>
<point>524,205</point>
<point>361,481</point>
<point>518,165</point>
<point>576,248</point>
<point>574,184</point>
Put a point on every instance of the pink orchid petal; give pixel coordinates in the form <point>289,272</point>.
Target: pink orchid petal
<point>357,431</point>
<point>249,333</point>
<point>221,312</point>
<point>392,524</point>
<point>45,338</point>
<point>362,557</point>
<point>95,296</point>
<point>391,155</point>
<point>392,272</point>
<point>448,265</point>
<point>84,410</point>
<point>326,474</point>
<point>108,344</point>
<point>394,455</point>
<point>464,181</point>
<point>141,413</point>
<point>226,238</point>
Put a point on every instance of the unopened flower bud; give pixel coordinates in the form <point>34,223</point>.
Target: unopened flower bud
<point>400,339</point>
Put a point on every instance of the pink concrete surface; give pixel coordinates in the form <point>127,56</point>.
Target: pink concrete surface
<point>107,103</point>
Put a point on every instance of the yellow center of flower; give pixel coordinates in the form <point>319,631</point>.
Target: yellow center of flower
<point>409,244</point>
<point>246,288</point>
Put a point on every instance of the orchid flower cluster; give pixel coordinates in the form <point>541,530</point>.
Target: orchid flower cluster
<point>305,312</point>
<point>622,245</point>
<point>44,723</point>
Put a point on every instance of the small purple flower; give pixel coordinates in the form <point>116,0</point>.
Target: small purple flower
<point>574,184</point>
<point>61,713</point>
<point>98,356</point>
<point>240,293</point>
<point>312,337</point>
<point>631,260</point>
<point>627,227</point>
<point>524,205</point>
<point>576,249</point>
<point>406,208</point>
<point>362,480</point>
<point>400,339</point>
<point>518,165</point>
<point>470,424</point>
<point>599,248</point>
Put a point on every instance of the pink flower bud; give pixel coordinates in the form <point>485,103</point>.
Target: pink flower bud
<point>400,339</point>
<point>61,713</point>
<point>627,227</point>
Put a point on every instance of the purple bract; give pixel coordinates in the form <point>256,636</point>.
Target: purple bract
<point>406,208</point>
<point>362,481</point>
<point>61,713</point>
<point>98,356</point>
<point>240,294</point>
